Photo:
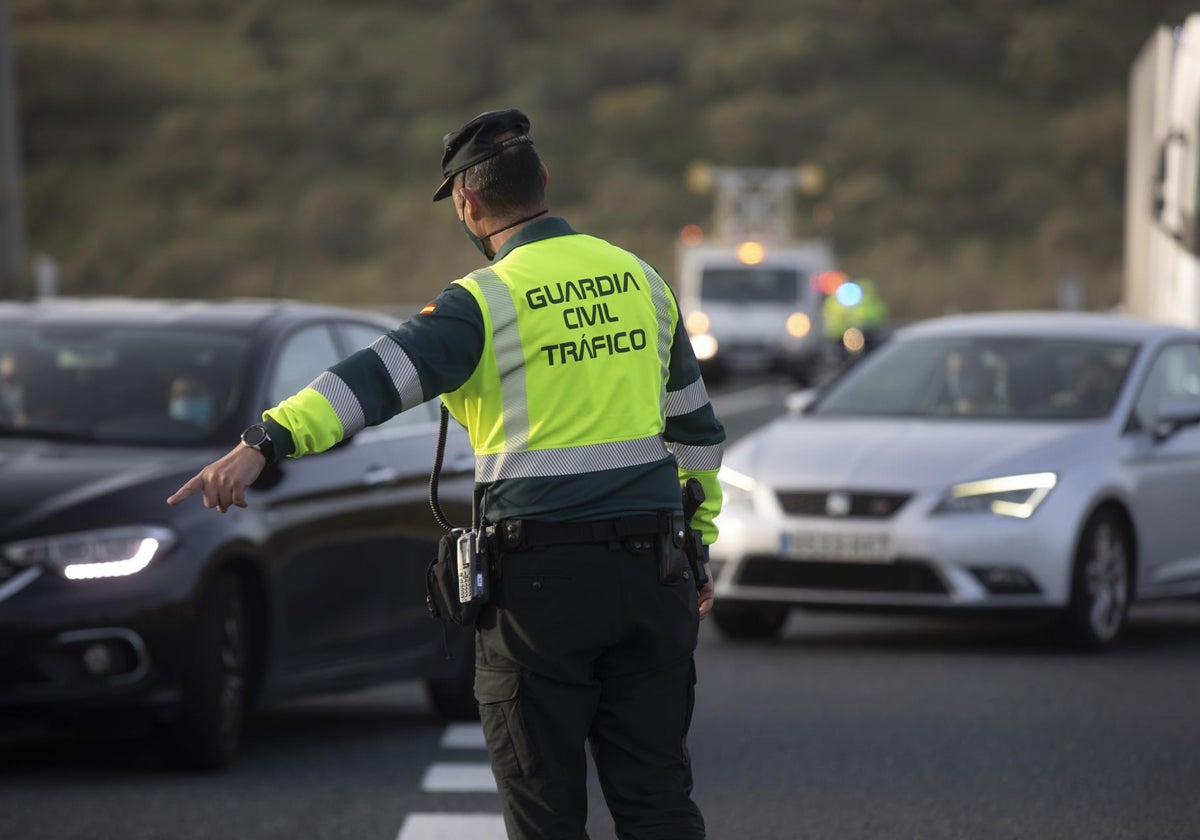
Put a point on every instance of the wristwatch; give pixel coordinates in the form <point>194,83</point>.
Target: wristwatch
<point>257,437</point>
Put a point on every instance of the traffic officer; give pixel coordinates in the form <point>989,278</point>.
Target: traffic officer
<point>566,361</point>
<point>864,310</point>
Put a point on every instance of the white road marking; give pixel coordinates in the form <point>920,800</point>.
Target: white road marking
<point>452,827</point>
<point>458,777</point>
<point>463,736</point>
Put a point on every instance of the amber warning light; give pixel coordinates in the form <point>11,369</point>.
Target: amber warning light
<point>750,253</point>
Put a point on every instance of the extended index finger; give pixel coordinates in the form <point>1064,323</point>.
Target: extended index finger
<point>190,489</point>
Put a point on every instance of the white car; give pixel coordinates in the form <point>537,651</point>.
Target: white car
<point>980,462</point>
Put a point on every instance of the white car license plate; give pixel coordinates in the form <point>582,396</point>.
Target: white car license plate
<point>850,548</point>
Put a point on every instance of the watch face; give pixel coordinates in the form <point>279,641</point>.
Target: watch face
<point>255,436</point>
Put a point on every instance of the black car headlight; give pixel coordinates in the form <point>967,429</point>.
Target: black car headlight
<point>1011,495</point>
<point>103,553</point>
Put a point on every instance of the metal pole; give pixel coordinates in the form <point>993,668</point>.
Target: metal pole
<point>12,213</point>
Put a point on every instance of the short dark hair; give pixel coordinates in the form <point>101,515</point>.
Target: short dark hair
<point>509,182</point>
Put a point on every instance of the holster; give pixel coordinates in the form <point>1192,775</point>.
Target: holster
<point>672,554</point>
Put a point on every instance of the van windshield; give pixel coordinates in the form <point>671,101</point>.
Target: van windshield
<point>752,284</point>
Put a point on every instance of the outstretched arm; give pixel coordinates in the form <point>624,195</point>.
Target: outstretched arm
<point>223,483</point>
<point>364,389</point>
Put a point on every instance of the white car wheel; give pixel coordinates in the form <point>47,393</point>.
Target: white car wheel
<point>1101,582</point>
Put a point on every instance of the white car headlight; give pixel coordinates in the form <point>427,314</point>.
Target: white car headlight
<point>737,489</point>
<point>1010,495</point>
<point>704,346</point>
<point>106,552</point>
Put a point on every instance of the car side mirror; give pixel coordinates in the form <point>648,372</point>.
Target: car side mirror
<point>1173,414</point>
<point>797,401</point>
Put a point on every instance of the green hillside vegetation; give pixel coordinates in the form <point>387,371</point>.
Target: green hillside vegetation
<point>973,149</point>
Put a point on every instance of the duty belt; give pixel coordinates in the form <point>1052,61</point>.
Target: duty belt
<point>517,534</point>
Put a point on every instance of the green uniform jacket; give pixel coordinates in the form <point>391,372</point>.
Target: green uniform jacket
<point>456,347</point>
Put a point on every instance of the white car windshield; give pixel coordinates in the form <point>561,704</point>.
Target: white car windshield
<point>1017,377</point>
<point>119,384</point>
<point>745,284</point>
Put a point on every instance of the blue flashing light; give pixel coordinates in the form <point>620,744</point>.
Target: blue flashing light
<point>849,294</point>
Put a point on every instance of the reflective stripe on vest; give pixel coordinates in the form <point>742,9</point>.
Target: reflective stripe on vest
<point>697,458</point>
<point>570,460</point>
<point>510,355</point>
<point>687,399</point>
<point>401,370</point>
<point>662,313</point>
<point>345,405</point>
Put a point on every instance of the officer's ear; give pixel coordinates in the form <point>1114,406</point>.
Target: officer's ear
<point>471,207</point>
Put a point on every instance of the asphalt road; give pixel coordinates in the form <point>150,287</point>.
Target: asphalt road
<point>849,726</point>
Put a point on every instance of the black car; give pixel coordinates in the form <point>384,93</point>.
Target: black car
<point>115,604</point>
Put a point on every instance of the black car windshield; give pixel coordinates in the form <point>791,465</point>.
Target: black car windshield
<point>118,384</point>
<point>751,284</point>
<point>1017,377</point>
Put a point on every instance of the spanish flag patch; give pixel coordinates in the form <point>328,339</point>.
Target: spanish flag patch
<point>429,308</point>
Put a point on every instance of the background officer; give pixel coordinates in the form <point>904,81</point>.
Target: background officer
<point>567,363</point>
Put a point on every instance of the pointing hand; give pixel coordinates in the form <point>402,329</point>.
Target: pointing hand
<point>223,483</point>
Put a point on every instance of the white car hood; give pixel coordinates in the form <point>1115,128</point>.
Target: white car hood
<point>806,452</point>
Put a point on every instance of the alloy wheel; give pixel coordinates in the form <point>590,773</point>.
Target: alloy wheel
<point>1106,576</point>
<point>233,659</point>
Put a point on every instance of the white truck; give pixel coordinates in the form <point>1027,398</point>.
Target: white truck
<point>1162,188</point>
<point>749,292</point>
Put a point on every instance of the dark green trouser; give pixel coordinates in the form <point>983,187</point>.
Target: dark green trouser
<point>580,643</point>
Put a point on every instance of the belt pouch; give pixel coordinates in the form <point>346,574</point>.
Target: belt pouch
<point>441,585</point>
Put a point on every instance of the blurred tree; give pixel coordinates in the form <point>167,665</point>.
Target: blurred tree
<point>632,61</point>
<point>77,105</point>
<point>332,219</point>
<point>190,268</point>
<point>1088,143</point>
<point>630,122</point>
<point>1052,53</point>
<point>973,149</point>
<point>256,25</point>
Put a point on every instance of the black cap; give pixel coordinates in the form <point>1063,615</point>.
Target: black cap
<point>475,142</point>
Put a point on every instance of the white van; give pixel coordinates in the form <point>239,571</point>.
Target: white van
<point>755,308</point>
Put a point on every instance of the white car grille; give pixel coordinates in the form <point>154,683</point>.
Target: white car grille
<point>843,504</point>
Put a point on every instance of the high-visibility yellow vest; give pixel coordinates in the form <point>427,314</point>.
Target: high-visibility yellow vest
<point>572,378</point>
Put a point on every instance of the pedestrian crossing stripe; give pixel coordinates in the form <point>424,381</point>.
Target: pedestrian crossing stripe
<point>459,777</point>
<point>463,736</point>
<point>452,827</point>
<point>456,777</point>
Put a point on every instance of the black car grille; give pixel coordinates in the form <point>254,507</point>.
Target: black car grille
<point>900,576</point>
<point>18,670</point>
<point>9,570</point>
<point>847,505</point>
